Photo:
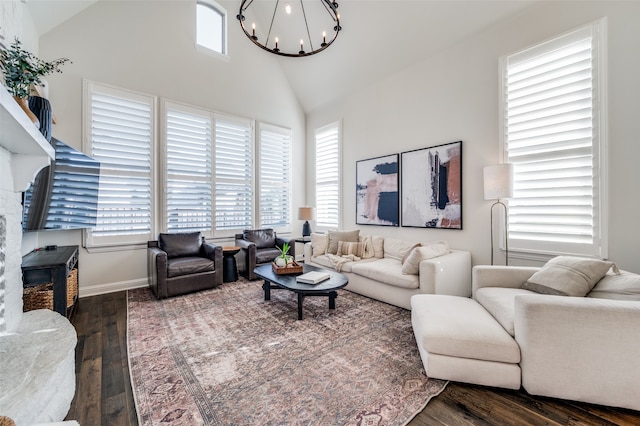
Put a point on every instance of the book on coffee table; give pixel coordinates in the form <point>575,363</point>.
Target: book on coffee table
<point>313,277</point>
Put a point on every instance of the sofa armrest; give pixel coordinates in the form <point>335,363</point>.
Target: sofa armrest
<point>500,276</point>
<point>214,252</point>
<point>308,251</point>
<point>157,271</point>
<point>448,274</point>
<point>580,348</point>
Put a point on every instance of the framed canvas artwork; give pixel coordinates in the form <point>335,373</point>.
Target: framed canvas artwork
<point>377,199</point>
<point>431,185</point>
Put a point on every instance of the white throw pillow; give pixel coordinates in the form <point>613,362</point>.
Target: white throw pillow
<point>622,286</point>
<point>411,266</point>
<point>568,276</point>
<point>378,246</point>
<point>397,249</point>
<point>319,244</point>
<point>369,250</point>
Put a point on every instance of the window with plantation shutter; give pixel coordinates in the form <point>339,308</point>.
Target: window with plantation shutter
<point>274,177</point>
<point>233,174</point>
<point>327,141</point>
<point>554,134</point>
<point>188,169</point>
<point>119,129</point>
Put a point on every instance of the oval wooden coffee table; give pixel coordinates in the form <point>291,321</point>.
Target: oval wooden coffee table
<point>288,282</point>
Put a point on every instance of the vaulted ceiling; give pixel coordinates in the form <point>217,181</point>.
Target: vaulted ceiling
<point>378,39</point>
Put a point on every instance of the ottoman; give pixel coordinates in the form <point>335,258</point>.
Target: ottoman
<point>459,340</point>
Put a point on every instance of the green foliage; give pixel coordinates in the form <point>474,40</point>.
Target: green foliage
<point>284,250</point>
<point>22,68</point>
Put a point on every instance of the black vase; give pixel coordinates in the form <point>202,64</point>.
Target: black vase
<point>41,107</point>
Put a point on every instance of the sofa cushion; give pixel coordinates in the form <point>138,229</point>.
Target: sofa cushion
<point>262,238</point>
<point>500,303</point>
<point>318,244</point>
<point>460,327</point>
<point>622,286</point>
<point>411,264</point>
<point>180,244</point>
<point>179,266</point>
<point>345,247</point>
<point>388,271</point>
<point>335,236</point>
<point>395,248</point>
<point>568,276</point>
<point>378,246</point>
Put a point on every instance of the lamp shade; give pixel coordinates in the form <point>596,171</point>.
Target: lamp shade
<point>498,181</point>
<point>305,213</point>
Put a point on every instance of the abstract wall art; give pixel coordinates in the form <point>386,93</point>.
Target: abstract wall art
<point>377,199</point>
<point>431,185</point>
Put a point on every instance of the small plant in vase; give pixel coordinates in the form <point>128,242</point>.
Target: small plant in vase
<point>284,258</point>
<point>22,69</point>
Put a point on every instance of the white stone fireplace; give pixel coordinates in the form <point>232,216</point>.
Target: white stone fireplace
<point>37,348</point>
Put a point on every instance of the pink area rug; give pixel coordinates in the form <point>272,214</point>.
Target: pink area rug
<point>228,357</point>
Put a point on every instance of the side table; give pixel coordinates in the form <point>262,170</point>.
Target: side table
<point>229,266</point>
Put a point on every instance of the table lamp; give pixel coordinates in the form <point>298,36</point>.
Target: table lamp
<point>306,214</point>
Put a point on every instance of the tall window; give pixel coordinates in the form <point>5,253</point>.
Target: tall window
<point>554,134</point>
<point>328,176</point>
<point>233,174</point>
<point>189,170</point>
<point>211,26</point>
<point>120,135</point>
<point>273,181</point>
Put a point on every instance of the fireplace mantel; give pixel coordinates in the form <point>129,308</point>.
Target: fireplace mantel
<point>29,150</point>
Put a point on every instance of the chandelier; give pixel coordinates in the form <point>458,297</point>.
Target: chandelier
<point>295,30</point>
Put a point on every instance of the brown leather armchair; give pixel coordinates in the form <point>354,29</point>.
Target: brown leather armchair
<point>180,263</point>
<point>260,246</point>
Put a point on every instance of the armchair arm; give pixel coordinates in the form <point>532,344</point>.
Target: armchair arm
<point>292,245</point>
<point>157,270</point>
<point>580,348</point>
<point>214,252</point>
<point>448,274</point>
<point>500,276</point>
<point>248,258</point>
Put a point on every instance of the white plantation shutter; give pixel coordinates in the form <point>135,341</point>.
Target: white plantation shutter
<point>189,170</point>
<point>553,136</point>
<point>274,177</point>
<point>120,128</point>
<point>233,174</point>
<point>328,176</point>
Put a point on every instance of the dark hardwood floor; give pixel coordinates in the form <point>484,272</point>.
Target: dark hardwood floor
<point>104,395</point>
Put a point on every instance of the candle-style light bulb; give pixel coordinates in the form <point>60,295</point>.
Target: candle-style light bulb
<point>301,47</point>
<point>253,31</point>
<point>324,37</point>
<point>276,49</point>
<point>287,8</point>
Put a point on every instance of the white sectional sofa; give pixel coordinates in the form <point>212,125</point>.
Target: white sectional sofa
<point>561,344</point>
<point>389,269</point>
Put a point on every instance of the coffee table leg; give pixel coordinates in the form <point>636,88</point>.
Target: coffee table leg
<point>267,290</point>
<point>332,299</point>
<point>300,299</point>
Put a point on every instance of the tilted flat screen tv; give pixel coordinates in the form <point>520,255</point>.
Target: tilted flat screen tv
<point>63,195</point>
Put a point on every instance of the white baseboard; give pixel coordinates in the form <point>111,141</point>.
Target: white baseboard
<point>112,287</point>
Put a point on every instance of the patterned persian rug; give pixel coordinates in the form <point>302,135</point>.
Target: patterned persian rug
<point>228,357</point>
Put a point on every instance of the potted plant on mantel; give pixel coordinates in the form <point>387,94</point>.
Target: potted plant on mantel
<point>22,69</point>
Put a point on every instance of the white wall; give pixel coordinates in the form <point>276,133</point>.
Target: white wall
<point>454,96</point>
<point>150,47</point>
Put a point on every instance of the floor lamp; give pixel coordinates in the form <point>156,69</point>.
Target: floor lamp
<point>306,214</point>
<point>498,184</point>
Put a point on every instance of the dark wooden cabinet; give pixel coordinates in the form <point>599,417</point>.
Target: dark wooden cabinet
<point>52,266</point>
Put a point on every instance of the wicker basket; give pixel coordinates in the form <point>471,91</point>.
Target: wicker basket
<point>296,268</point>
<point>41,296</point>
